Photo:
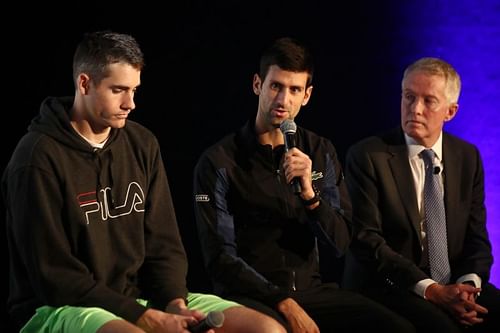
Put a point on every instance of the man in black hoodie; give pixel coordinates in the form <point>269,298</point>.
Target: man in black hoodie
<point>93,240</point>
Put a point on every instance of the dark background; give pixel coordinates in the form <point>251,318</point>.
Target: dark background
<point>200,60</point>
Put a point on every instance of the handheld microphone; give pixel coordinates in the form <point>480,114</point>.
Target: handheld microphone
<point>288,128</point>
<point>214,319</point>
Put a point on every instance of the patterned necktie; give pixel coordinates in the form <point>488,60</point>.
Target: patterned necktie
<point>435,219</point>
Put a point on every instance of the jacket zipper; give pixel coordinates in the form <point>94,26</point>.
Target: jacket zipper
<point>287,208</point>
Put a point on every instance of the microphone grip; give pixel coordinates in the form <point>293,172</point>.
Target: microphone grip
<point>200,327</point>
<point>290,142</point>
<point>297,188</point>
<point>214,319</point>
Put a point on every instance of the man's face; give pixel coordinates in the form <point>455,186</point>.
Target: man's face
<point>425,107</point>
<point>110,101</point>
<point>281,95</point>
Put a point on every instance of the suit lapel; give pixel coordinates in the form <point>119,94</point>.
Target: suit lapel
<point>401,171</point>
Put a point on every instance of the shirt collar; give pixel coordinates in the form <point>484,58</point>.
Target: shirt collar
<point>415,148</point>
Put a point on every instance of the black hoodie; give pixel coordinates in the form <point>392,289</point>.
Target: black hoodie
<point>89,227</point>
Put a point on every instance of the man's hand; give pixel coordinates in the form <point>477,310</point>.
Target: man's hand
<point>156,321</point>
<point>299,320</point>
<point>459,300</point>
<point>178,306</point>
<point>296,164</point>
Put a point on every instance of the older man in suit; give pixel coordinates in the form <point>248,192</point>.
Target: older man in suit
<point>402,226</point>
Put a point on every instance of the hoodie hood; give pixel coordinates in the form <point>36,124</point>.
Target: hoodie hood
<point>53,120</point>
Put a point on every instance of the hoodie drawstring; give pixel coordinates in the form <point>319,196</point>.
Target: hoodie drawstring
<point>107,195</point>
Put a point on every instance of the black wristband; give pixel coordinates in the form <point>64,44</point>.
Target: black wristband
<point>311,201</point>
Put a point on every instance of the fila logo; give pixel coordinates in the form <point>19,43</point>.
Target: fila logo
<point>93,208</point>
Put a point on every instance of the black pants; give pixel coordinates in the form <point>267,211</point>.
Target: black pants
<point>429,318</point>
<point>338,310</point>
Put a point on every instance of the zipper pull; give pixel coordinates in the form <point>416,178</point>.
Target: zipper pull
<point>278,175</point>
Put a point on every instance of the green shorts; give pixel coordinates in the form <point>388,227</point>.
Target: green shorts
<point>70,319</point>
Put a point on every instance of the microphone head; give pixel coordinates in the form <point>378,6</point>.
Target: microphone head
<point>288,126</point>
<point>215,319</point>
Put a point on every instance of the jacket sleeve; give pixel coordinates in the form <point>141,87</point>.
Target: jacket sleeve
<point>475,255</point>
<point>331,220</point>
<point>230,274</point>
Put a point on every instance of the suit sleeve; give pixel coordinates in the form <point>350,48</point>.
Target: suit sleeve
<point>475,256</point>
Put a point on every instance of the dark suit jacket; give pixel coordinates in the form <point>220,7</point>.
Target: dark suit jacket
<point>387,220</point>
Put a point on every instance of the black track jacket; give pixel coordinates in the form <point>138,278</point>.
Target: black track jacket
<point>258,240</point>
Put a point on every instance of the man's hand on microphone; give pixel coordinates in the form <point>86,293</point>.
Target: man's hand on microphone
<point>178,306</point>
<point>156,321</point>
<point>176,318</point>
<point>298,165</point>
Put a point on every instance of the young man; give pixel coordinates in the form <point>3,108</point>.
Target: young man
<point>421,252</point>
<point>93,239</point>
<point>260,239</point>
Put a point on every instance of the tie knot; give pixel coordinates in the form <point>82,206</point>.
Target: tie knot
<point>428,156</point>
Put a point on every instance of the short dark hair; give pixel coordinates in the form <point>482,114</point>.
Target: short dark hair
<point>288,54</point>
<point>99,49</point>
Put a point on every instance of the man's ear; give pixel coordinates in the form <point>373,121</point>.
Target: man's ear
<point>257,84</point>
<point>307,95</point>
<point>83,83</point>
<point>451,112</point>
